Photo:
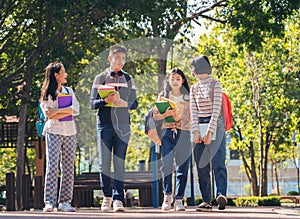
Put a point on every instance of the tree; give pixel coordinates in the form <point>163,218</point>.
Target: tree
<point>30,31</point>
<point>258,83</point>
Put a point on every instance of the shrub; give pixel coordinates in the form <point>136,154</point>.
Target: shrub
<point>269,201</point>
<point>292,193</point>
<point>255,201</point>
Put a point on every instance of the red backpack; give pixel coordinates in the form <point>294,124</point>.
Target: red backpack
<point>226,107</point>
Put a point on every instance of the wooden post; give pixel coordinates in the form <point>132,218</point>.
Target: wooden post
<point>10,192</point>
<point>38,192</point>
<point>40,151</point>
<point>26,187</point>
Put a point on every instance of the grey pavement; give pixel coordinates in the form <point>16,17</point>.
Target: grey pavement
<point>146,213</point>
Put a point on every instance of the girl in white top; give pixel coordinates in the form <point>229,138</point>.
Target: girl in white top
<point>176,144</point>
<point>60,138</point>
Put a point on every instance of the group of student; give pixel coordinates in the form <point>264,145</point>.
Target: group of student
<point>194,107</point>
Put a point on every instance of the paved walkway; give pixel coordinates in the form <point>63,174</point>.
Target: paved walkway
<point>146,213</point>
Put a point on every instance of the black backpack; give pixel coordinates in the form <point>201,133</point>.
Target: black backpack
<point>150,123</point>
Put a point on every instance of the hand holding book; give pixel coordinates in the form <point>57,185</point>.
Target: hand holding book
<point>109,93</point>
<point>65,100</point>
<point>165,105</point>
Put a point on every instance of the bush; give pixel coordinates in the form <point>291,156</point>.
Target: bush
<point>269,201</point>
<point>292,193</point>
<point>255,201</point>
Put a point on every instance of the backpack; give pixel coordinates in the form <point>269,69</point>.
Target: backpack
<point>39,125</point>
<point>226,107</point>
<point>153,127</point>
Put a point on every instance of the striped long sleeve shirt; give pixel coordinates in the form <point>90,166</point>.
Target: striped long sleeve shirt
<point>201,104</point>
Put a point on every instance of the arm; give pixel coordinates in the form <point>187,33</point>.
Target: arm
<point>132,100</point>
<point>194,116</point>
<point>170,112</point>
<point>58,113</point>
<point>216,109</point>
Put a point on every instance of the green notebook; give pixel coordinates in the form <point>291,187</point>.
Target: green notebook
<point>162,107</point>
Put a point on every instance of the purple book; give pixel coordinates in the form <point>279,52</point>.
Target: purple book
<point>65,100</point>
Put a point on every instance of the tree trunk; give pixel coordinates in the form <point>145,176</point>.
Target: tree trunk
<point>21,137</point>
<point>163,48</point>
<point>20,150</point>
<point>265,170</point>
<point>162,67</point>
<point>254,184</point>
<point>298,173</point>
<point>276,178</point>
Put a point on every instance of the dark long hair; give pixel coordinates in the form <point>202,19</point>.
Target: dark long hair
<point>184,89</point>
<point>50,84</point>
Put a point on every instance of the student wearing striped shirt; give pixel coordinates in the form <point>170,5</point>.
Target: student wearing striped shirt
<point>206,118</point>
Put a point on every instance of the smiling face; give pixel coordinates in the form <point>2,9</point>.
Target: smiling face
<point>117,61</point>
<point>175,81</point>
<point>61,76</point>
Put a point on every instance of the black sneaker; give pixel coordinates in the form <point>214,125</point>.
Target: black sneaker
<point>222,201</point>
<point>204,206</point>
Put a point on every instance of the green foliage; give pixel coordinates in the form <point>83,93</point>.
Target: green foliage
<point>7,163</point>
<point>35,33</point>
<point>265,108</point>
<point>255,201</point>
<point>250,31</point>
<point>292,193</point>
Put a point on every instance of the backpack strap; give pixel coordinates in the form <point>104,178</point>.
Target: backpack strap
<point>66,89</point>
<point>212,89</point>
<point>129,83</point>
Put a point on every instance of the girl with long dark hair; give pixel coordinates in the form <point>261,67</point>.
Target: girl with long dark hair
<point>60,136</point>
<point>175,138</point>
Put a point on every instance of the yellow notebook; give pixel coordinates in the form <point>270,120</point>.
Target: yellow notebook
<point>104,91</point>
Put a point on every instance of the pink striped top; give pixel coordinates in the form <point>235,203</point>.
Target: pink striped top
<point>201,105</point>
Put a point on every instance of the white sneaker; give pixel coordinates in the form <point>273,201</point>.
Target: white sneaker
<point>48,208</point>
<point>65,207</point>
<point>118,206</point>
<point>106,204</point>
<point>166,205</point>
<point>178,205</point>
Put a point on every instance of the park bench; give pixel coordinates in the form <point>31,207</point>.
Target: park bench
<point>86,183</point>
<point>294,198</point>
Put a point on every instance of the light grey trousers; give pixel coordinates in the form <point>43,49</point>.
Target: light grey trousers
<point>59,149</point>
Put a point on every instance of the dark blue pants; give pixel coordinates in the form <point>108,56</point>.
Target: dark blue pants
<point>112,140</point>
<point>216,154</point>
<point>176,146</point>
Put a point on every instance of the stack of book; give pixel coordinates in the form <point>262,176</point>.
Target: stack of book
<point>65,100</point>
<point>105,90</point>
<point>163,104</point>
